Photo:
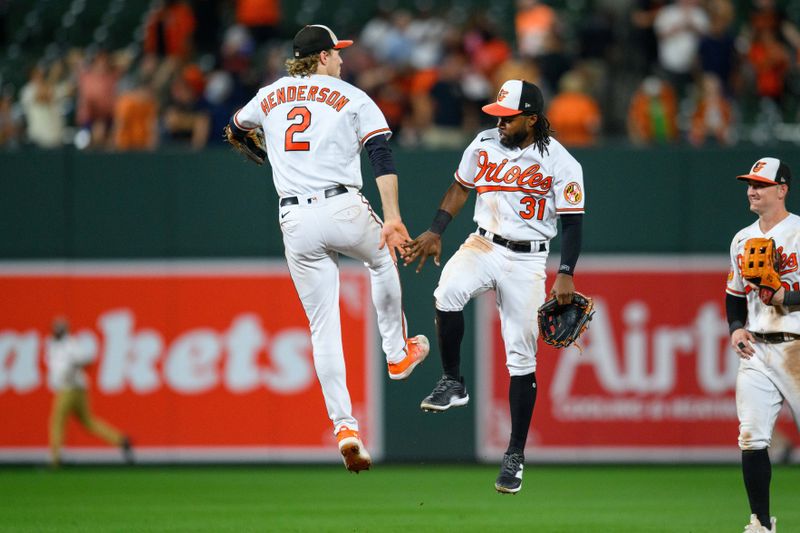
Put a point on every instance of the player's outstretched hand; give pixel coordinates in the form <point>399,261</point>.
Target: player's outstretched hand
<point>394,235</point>
<point>563,289</point>
<point>742,342</point>
<point>427,244</point>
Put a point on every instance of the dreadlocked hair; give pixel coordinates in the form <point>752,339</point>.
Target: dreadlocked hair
<point>542,133</point>
<point>305,66</point>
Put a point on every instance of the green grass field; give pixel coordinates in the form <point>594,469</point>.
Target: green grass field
<point>408,498</point>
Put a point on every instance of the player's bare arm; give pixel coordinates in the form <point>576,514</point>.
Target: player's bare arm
<point>394,233</point>
<point>429,243</point>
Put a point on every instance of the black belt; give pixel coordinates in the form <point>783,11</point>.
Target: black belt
<point>333,191</point>
<point>514,246</point>
<point>776,338</point>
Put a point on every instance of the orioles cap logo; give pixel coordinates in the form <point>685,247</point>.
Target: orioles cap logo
<point>501,95</point>
<point>758,166</point>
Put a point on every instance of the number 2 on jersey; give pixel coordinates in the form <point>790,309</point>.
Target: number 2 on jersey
<point>298,127</point>
<point>533,207</point>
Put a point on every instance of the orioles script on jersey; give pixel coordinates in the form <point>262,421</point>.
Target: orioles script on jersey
<point>303,93</point>
<point>529,180</point>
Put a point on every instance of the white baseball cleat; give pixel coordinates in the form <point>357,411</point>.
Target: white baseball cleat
<point>354,454</point>
<point>755,526</point>
<point>417,349</point>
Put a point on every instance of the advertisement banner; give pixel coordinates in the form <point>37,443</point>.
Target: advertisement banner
<point>194,360</point>
<point>654,379</point>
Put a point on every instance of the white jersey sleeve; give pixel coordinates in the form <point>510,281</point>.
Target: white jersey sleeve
<point>467,168</point>
<point>370,121</point>
<point>568,191</point>
<point>249,117</point>
<point>735,285</point>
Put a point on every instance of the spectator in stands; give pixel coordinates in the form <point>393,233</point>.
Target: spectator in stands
<point>679,27</point>
<point>717,52</point>
<point>652,113</point>
<point>766,15</point>
<point>262,18</point>
<point>219,95</point>
<point>712,117</point>
<point>186,117</point>
<point>534,22</point>
<point>769,60</point>
<point>236,56</point>
<point>44,99</point>
<point>485,47</point>
<point>644,40</point>
<point>97,88</point>
<point>169,30</point>
<point>445,104</point>
<point>573,113</point>
<point>136,118</point>
<point>553,62</point>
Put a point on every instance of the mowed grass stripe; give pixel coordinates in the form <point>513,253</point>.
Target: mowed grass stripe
<point>558,499</point>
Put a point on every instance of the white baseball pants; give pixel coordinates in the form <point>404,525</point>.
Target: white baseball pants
<point>315,232</point>
<point>763,383</point>
<point>518,280</point>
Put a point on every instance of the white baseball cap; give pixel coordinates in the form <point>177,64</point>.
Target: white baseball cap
<point>516,97</point>
<point>770,171</point>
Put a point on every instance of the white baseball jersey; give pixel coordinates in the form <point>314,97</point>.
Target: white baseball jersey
<point>768,379</point>
<point>520,191</point>
<point>763,318</point>
<point>318,116</point>
<point>66,359</point>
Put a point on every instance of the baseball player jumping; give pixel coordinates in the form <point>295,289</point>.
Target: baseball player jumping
<point>524,180</point>
<point>315,126</point>
<point>765,330</point>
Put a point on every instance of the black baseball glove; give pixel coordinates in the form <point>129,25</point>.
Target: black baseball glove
<point>561,325</point>
<point>251,144</point>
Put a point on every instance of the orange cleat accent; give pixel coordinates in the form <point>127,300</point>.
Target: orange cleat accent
<point>354,454</point>
<point>417,349</point>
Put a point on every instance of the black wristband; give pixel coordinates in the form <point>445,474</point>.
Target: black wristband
<point>791,298</point>
<point>733,326</point>
<point>565,269</point>
<point>440,221</point>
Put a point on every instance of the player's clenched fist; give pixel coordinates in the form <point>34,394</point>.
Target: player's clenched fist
<point>427,244</point>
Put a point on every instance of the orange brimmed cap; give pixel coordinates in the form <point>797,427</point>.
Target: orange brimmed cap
<point>516,97</point>
<point>769,171</point>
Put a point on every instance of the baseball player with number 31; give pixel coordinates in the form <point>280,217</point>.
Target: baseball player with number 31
<point>525,181</point>
<point>763,310</point>
<point>315,126</point>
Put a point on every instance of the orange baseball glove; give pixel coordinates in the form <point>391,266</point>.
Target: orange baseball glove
<point>761,266</point>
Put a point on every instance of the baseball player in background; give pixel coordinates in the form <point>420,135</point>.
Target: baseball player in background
<point>66,361</point>
<point>315,126</point>
<point>766,336</point>
<point>525,180</point>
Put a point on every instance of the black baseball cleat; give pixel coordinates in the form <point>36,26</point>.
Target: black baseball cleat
<point>447,393</point>
<point>509,481</point>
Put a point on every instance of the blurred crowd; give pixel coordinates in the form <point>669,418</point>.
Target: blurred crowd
<point>651,71</point>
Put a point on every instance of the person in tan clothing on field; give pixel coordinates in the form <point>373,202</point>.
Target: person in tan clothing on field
<point>66,360</point>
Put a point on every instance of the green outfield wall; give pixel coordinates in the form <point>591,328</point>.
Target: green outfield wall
<point>213,204</point>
